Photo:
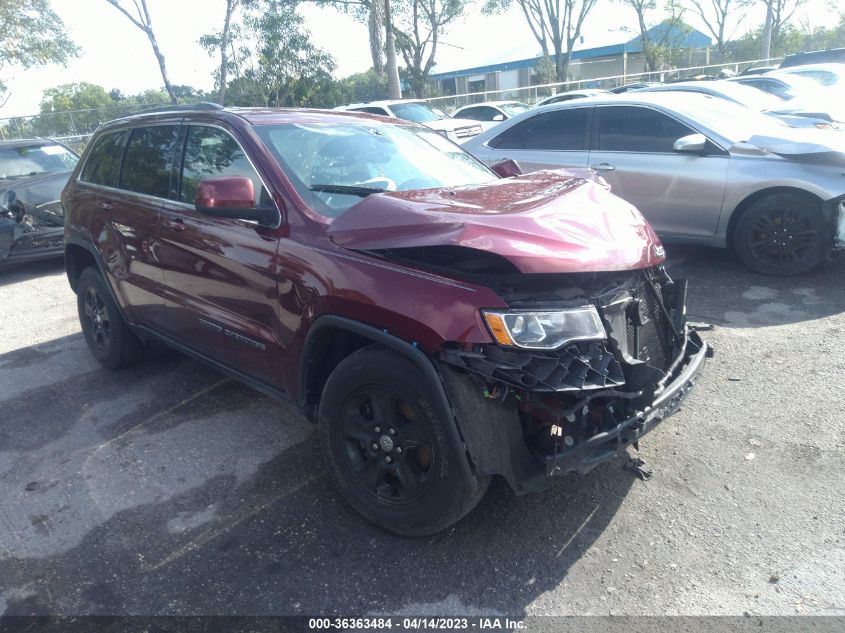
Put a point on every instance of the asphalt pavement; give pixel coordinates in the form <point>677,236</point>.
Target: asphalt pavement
<point>167,488</point>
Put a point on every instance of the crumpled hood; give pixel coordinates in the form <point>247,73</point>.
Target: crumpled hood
<point>544,222</point>
<point>825,147</point>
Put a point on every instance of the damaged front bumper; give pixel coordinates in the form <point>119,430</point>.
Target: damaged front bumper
<point>583,457</point>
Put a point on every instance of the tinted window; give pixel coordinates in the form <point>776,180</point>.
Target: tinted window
<point>557,130</point>
<point>628,129</point>
<point>211,152</point>
<point>103,164</point>
<point>481,113</point>
<point>372,110</point>
<point>148,162</point>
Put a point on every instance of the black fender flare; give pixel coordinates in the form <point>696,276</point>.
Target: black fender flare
<point>101,266</point>
<point>428,370</point>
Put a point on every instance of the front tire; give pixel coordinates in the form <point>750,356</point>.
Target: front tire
<point>109,339</point>
<point>388,449</point>
<point>782,234</point>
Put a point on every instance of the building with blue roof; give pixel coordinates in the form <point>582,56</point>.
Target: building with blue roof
<point>613,60</point>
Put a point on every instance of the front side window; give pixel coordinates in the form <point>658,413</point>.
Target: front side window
<point>147,165</point>
<point>31,160</point>
<point>560,130</point>
<point>102,167</point>
<point>333,166</point>
<point>212,152</point>
<point>631,129</point>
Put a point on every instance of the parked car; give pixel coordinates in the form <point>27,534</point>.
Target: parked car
<point>793,114</point>
<point>618,90</point>
<point>569,96</point>
<point>440,324</point>
<point>455,129</point>
<point>784,86</point>
<point>701,169</point>
<point>33,173</point>
<point>830,76</point>
<point>756,70</point>
<point>490,112</point>
<point>830,55</point>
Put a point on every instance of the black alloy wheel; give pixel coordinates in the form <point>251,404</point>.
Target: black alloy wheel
<point>782,234</point>
<point>386,447</point>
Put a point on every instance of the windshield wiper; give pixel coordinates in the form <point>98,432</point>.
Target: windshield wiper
<point>351,190</point>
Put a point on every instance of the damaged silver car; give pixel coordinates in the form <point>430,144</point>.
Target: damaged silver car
<point>700,169</point>
<point>33,173</point>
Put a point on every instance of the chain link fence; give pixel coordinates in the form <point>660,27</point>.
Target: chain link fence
<point>75,127</point>
<point>532,94</point>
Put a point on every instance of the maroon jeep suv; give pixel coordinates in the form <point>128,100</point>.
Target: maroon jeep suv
<point>440,322</point>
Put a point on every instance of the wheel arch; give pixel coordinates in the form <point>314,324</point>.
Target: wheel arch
<point>759,195</point>
<point>77,259</point>
<point>331,338</point>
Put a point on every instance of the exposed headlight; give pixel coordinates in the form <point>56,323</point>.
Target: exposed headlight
<point>546,329</point>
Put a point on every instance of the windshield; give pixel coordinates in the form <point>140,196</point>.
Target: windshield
<point>512,109</point>
<point>32,160</point>
<point>418,112</point>
<point>334,165</point>
<point>735,122</point>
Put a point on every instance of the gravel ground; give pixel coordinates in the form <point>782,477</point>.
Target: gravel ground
<point>169,489</point>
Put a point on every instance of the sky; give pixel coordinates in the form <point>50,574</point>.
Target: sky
<point>116,54</point>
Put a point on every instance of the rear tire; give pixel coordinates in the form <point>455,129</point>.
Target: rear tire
<point>109,339</point>
<point>782,234</point>
<point>388,449</point>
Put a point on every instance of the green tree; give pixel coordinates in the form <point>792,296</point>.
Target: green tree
<point>31,34</point>
<point>721,18</point>
<point>555,24</point>
<point>658,43</point>
<point>281,65</point>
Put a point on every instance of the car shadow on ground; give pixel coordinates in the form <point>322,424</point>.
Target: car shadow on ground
<point>723,292</point>
<point>279,541</point>
<point>16,273</point>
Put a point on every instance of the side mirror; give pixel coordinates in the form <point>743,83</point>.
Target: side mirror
<point>232,197</point>
<point>507,168</point>
<point>693,143</point>
<point>499,117</point>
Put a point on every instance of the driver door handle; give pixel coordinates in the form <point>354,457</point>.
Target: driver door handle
<point>603,167</point>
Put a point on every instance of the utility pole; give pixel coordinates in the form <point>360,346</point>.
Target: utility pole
<point>394,90</point>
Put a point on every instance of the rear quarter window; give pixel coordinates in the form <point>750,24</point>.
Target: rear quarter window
<point>102,167</point>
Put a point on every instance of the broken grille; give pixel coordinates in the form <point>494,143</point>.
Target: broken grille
<point>576,367</point>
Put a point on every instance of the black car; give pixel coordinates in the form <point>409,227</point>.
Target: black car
<point>830,55</point>
<point>33,173</point>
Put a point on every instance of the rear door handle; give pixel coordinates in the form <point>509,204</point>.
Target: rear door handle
<point>104,205</point>
<point>603,167</point>
<point>176,224</point>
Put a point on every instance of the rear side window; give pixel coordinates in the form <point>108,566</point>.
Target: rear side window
<point>212,152</point>
<point>561,130</point>
<point>631,129</point>
<point>103,164</point>
<point>148,163</point>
